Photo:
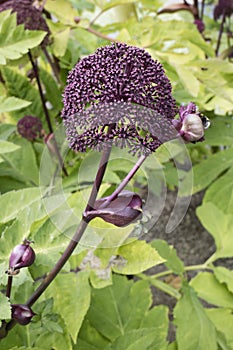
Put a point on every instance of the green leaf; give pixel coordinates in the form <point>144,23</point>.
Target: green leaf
<point>19,86</point>
<point>209,289</point>
<point>6,130</point>
<point>5,308</point>
<point>220,133</point>
<point>194,329</point>
<point>137,256</point>
<point>220,226</point>
<point>12,201</point>
<point>62,10</point>
<point>223,321</point>
<point>120,307</point>
<point>167,252</point>
<point>6,147</point>
<point>15,41</point>
<point>53,93</point>
<point>220,193</point>
<point>8,104</point>
<point>225,276</point>
<point>137,340</point>
<point>120,312</point>
<point>18,163</point>
<point>89,338</point>
<point>71,294</point>
<point>203,177</point>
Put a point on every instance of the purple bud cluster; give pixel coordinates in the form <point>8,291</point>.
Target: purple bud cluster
<point>224,7</point>
<point>29,127</point>
<point>28,15</point>
<point>118,95</point>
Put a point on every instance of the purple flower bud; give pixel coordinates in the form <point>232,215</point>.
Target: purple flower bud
<point>191,124</point>
<point>224,7</point>
<point>120,212</point>
<point>22,314</point>
<point>200,25</point>
<point>29,127</point>
<point>21,256</point>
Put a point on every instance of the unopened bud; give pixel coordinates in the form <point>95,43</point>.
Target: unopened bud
<point>29,127</point>
<point>21,256</point>
<point>122,211</point>
<point>77,19</point>
<point>191,124</point>
<point>200,25</point>
<point>22,314</point>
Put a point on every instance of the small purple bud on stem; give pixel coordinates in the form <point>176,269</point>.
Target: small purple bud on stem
<point>22,314</point>
<point>21,256</point>
<point>191,124</point>
<point>120,212</point>
<point>200,25</point>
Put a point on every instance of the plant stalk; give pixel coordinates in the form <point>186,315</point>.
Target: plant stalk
<point>52,65</point>
<point>73,242</point>
<point>82,226</point>
<point>9,285</point>
<point>124,182</point>
<point>47,117</point>
<point>220,34</point>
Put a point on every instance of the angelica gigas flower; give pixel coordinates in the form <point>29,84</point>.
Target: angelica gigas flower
<point>224,7</point>
<point>28,15</point>
<point>119,95</point>
<point>29,127</point>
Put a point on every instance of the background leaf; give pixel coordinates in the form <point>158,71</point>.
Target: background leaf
<point>220,226</point>
<point>194,329</point>
<point>16,41</point>
<point>208,288</point>
<point>71,299</point>
<point>8,104</point>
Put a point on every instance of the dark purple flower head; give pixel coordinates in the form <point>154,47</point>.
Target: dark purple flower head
<point>200,25</point>
<point>21,256</point>
<point>29,127</point>
<point>223,7</point>
<point>118,95</point>
<point>22,314</point>
<point>28,15</point>
<point>191,124</point>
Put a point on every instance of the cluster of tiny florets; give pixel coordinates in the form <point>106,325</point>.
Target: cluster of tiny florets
<point>224,7</point>
<point>118,95</point>
<point>28,15</point>
<point>29,127</point>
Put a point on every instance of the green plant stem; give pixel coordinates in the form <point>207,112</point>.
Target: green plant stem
<point>47,117</point>
<point>186,269</point>
<point>9,285</point>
